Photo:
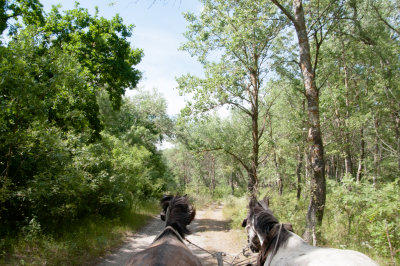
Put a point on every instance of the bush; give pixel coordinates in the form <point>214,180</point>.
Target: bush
<point>360,216</point>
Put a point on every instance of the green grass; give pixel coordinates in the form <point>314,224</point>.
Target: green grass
<point>200,199</point>
<point>235,209</point>
<point>77,244</point>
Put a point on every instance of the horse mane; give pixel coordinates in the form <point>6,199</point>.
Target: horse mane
<point>181,213</point>
<point>265,221</point>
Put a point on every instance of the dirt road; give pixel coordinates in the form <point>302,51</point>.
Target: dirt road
<point>210,231</point>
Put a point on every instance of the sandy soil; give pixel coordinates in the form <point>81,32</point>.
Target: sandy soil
<point>210,231</point>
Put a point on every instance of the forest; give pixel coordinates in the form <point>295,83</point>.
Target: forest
<point>311,89</point>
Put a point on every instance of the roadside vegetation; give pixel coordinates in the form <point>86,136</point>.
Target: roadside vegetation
<point>80,164</point>
<point>81,242</point>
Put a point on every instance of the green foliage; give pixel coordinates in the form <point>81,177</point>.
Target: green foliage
<point>61,158</point>
<point>360,213</point>
<point>100,46</point>
<point>31,12</point>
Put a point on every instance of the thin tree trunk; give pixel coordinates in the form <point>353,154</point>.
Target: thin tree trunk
<point>347,161</point>
<point>337,171</point>
<point>376,153</point>
<point>185,175</point>
<point>253,179</point>
<point>212,175</point>
<point>232,185</point>
<point>276,159</point>
<point>316,207</point>
<point>298,171</point>
<point>362,157</point>
<point>278,174</point>
<point>397,132</point>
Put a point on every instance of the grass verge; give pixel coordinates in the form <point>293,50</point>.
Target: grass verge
<point>79,243</point>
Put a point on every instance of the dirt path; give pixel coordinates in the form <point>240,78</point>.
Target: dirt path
<point>210,231</point>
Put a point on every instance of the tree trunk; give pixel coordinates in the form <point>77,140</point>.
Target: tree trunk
<point>298,171</point>
<point>251,183</point>
<point>318,187</point>
<point>185,174</point>
<point>396,118</point>
<point>232,185</point>
<point>337,171</point>
<point>253,179</point>
<point>276,159</point>
<point>362,157</point>
<point>376,153</point>
<point>347,160</point>
<point>212,174</point>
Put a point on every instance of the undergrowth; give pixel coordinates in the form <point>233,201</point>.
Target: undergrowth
<point>76,243</point>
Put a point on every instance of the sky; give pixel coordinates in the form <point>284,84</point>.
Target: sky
<point>158,31</point>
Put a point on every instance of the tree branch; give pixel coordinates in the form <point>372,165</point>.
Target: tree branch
<point>384,21</point>
<point>285,11</point>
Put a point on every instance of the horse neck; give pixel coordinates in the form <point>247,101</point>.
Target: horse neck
<point>292,244</point>
<point>281,240</point>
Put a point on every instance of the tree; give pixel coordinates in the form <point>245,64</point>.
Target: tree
<point>101,47</point>
<point>50,113</point>
<point>232,40</point>
<point>308,69</point>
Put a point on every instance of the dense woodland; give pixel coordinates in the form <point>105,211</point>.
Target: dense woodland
<point>313,93</point>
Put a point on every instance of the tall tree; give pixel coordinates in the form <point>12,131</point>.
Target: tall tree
<point>232,40</point>
<point>318,29</point>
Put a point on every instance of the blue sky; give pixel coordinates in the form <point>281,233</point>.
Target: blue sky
<point>159,29</point>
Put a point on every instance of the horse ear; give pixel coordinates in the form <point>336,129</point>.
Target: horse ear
<point>288,227</point>
<point>266,201</point>
<point>244,223</point>
<point>253,202</point>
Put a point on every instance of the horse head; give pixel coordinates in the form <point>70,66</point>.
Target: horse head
<point>261,225</point>
<point>177,212</point>
<point>249,223</point>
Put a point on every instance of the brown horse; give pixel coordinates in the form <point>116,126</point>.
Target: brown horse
<point>279,246</point>
<point>168,248</point>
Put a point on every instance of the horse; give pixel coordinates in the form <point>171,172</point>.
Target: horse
<point>278,245</point>
<point>168,248</point>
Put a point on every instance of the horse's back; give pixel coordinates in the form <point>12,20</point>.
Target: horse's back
<point>164,255</point>
<point>324,256</point>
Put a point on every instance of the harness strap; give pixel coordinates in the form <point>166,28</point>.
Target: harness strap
<point>173,230</point>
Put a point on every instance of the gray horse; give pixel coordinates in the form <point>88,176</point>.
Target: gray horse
<point>278,245</point>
